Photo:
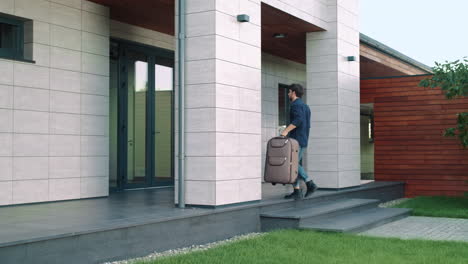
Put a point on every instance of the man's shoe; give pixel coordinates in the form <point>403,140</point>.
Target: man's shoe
<point>289,196</point>
<point>296,195</point>
<point>311,187</point>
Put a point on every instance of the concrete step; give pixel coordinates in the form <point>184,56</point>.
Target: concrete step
<point>322,208</point>
<point>357,221</point>
<point>292,217</point>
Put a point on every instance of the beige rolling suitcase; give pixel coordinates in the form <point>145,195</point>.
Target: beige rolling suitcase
<point>282,160</point>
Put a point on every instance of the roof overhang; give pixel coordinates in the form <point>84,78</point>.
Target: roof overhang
<point>376,59</point>
<point>379,60</point>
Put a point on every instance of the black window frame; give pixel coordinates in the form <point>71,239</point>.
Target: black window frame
<point>17,52</point>
<point>284,89</point>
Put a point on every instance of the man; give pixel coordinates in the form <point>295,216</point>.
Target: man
<point>299,130</point>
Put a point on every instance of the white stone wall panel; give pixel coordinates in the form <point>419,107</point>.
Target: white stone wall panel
<point>6,169</point>
<point>30,145</point>
<point>64,37</point>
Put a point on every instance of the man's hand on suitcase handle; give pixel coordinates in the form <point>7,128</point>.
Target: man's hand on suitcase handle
<point>287,130</point>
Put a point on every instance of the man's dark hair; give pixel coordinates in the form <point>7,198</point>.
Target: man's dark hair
<point>297,88</point>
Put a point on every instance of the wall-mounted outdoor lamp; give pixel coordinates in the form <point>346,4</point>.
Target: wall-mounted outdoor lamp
<point>279,35</point>
<point>351,58</point>
<point>243,18</point>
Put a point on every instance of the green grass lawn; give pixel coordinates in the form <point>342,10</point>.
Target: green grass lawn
<point>438,206</point>
<point>301,247</point>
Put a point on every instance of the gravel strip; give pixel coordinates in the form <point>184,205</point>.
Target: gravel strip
<point>186,250</point>
<point>393,202</point>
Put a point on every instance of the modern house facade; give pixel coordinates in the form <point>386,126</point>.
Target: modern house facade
<point>88,96</point>
<point>60,123</point>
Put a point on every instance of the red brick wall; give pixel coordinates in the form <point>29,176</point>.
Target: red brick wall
<point>409,146</point>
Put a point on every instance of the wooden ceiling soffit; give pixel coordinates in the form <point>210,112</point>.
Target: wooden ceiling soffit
<point>157,15</point>
<point>293,46</point>
<point>380,60</point>
<point>373,69</point>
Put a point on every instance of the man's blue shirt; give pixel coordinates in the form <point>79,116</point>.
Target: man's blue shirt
<point>300,117</point>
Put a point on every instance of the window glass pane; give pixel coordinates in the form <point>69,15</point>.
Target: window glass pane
<point>163,120</point>
<point>113,123</point>
<point>136,117</point>
<point>283,106</point>
<point>7,36</point>
<point>163,78</point>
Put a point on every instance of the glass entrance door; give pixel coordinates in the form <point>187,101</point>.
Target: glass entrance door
<point>164,98</point>
<point>137,90</point>
<point>144,120</point>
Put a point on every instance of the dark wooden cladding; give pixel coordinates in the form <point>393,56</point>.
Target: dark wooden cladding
<point>156,15</point>
<point>409,145</point>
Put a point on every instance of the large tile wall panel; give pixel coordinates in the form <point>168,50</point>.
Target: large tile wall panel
<point>64,189</point>
<point>30,191</point>
<point>64,37</point>
<point>71,3</point>
<point>7,6</point>
<point>6,67</point>
<point>66,16</point>
<point>36,10</point>
<point>30,168</point>
<point>224,122</point>
<point>64,167</point>
<point>94,187</point>
<point>30,75</point>
<point>6,195</point>
<point>6,169</point>
<point>54,111</point>
<point>30,145</point>
<point>95,23</point>
<point>334,98</point>
<point>63,80</point>
<point>6,144</point>
<point>6,120</point>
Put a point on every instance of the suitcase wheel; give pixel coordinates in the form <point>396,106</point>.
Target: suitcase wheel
<point>284,184</point>
<point>273,184</point>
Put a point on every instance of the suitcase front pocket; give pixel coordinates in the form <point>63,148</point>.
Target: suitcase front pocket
<point>278,142</point>
<point>276,161</point>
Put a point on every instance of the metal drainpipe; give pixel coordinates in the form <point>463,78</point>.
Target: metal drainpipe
<point>181,91</point>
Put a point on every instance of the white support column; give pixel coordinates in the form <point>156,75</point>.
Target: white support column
<point>333,96</point>
<point>223,104</point>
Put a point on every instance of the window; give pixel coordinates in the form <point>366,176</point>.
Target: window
<point>11,38</point>
<point>371,128</point>
<point>283,106</point>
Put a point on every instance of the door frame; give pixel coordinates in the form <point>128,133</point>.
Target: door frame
<point>122,119</point>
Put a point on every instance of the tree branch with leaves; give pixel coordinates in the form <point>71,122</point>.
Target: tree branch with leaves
<point>452,78</point>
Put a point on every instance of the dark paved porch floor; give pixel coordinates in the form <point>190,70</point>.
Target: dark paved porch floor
<point>28,223</point>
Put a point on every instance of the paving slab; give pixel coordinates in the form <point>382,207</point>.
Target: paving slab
<point>418,227</point>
